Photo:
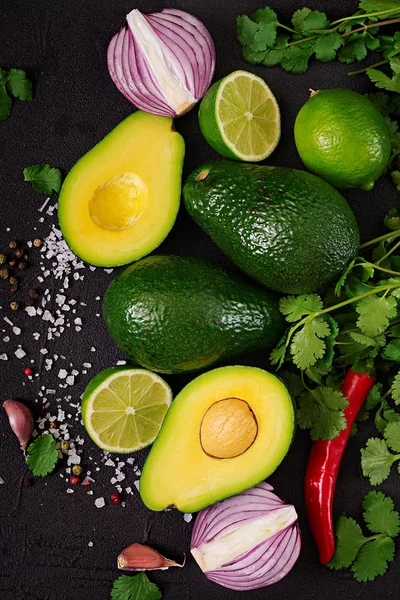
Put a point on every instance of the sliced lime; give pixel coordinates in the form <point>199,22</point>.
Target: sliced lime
<point>239,117</point>
<point>123,408</point>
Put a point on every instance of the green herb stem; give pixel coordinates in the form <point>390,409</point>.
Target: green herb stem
<point>376,266</point>
<point>382,238</point>
<point>370,26</point>
<point>287,28</point>
<point>388,253</point>
<point>378,64</point>
<point>366,15</point>
<point>344,35</point>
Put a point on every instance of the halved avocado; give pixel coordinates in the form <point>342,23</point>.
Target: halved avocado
<point>226,431</point>
<point>120,200</point>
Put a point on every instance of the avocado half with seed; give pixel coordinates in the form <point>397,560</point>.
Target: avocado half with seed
<point>226,431</point>
<point>120,200</point>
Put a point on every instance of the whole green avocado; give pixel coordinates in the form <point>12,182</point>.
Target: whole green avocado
<point>286,228</point>
<point>173,314</point>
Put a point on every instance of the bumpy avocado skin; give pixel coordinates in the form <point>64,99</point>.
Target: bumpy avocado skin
<point>286,228</point>
<point>173,314</point>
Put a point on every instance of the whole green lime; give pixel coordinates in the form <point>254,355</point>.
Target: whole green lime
<point>343,138</point>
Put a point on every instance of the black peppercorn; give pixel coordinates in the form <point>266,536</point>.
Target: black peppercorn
<point>19,253</point>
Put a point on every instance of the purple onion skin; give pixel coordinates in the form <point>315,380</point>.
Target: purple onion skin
<point>186,38</point>
<point>263,565</point>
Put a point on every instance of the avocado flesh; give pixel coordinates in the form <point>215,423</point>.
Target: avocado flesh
<point>179,473</point>
<point>286,228</point>
<point>173,314</point>
<point>135,172</point>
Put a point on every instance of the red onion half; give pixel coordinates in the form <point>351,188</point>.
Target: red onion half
<point>247,541</point>
<point>163,62</point>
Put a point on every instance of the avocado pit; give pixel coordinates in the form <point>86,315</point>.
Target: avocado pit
<point>118,203</point>
<point>228,428</point>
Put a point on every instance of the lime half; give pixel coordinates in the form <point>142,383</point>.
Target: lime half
<point>239,117</point>
<point>123,408</point>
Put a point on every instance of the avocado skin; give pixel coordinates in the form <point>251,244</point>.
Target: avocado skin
<point>173,314</point>
<point>286,228</point>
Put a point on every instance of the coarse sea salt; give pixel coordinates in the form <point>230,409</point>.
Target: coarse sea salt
<point>100,502</point>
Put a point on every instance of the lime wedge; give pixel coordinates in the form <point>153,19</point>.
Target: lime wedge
<point>123,408</point>
<point>239,117</point>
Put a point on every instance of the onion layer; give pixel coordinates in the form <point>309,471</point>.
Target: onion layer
<point>248,541</point>
<point>163,62</point>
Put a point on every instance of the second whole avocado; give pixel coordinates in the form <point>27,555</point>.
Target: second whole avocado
<point>174,314</point>
<point>286,228</point>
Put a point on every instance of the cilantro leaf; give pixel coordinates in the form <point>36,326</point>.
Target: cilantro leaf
<point>314,20</point>
<point>375,312</point>
<point>392,350</point>
<point>395,389</point>
<point>298,18</point>
<point>44,178</point>
<point>372,559</point>
<point>378,5</point>
<point>392,435</point>
<point>42,455</point>
<point>382,102</point>
<point>383,81</point>
<point>376,461</point>
<point>354,50</point>
<point>374,397</point>
<point>278,354</point>
<point>343,277</point>
<point>5,100</point>
<point>326,46</point>
<point>349,539</point>
<point>384,415</point>
<point>307,344</point>
<point>392,219</point>
<point>379,514</point>
<point>18,85</point>
<point>293,383</point>
<point>137,587</point>
<point>295,59</point>
<point>274,55</point>
<point>396,179</point>
<point>296,307</point>
<point>258,32</point>
<point>320,411</point>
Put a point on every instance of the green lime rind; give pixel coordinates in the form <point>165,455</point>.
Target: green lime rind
<point>213,127</point>
<point>97,384</point>
<point>343,138</point>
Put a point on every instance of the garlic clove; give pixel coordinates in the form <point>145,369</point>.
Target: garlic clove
<point>21,421</point>
<point>138,557</point>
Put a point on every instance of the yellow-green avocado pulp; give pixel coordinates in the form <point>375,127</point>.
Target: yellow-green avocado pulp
<point>178,472</point>
<point>120,200</point>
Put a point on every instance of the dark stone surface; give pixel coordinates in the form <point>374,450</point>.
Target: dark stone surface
<point>44,533</point>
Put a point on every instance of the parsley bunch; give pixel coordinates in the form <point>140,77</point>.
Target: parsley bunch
<point>367,556</point>
<point>13,84</point>
<point>267,41</point>
<point>354,324</point>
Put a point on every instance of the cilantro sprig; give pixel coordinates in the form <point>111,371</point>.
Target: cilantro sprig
<point>368,556</point>
<point>42,455</point>
<point>13,84</point>
<point>264,38</point>
<point>137,587</point>
<point>354,324</point>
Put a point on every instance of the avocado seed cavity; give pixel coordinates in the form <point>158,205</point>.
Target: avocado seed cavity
<point>228,429</point>
<point>118,203</point>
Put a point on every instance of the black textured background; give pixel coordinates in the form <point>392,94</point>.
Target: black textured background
<point>44,552</point>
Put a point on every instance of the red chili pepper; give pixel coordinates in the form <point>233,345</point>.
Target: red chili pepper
<point>323,467</point>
